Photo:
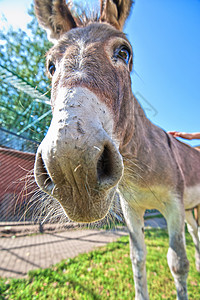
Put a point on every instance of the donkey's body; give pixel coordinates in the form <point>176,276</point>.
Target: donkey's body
<point>100,142</point>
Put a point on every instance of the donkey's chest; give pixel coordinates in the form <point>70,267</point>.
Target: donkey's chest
<point>192,196</point>
<point>150,197</point>
<point>159,196</point>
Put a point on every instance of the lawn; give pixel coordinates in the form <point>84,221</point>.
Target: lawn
<point>104,274</point>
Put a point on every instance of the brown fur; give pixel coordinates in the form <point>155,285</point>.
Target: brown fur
<point>96,37</point>
<point>100,130</point>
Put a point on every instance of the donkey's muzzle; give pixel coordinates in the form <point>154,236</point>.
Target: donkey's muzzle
<point>78,163</point>
<point>84,183</point>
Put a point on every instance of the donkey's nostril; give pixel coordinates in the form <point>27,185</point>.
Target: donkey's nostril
<point>104,164</point>
<point>109,166</point>
<point>41,175</point>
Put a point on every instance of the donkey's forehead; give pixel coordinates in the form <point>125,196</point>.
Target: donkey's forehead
<point>92,33</point>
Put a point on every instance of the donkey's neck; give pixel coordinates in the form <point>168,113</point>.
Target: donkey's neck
<point>138,130</point>
<point>147,154</point>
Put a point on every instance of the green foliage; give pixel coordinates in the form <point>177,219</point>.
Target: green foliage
<point>105,273</point>
<point>24,54</point>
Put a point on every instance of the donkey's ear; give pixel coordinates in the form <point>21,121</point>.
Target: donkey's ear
<point>115,12</point>
<point>54,15</point>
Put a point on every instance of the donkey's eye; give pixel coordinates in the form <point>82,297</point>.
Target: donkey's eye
<point>124,54</point>
<point>51,68</point>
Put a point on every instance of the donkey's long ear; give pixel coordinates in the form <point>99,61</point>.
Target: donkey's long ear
<point>115,12</point>
<point>54,15</point>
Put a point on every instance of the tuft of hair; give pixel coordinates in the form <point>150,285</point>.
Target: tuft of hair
<point>84,13</point>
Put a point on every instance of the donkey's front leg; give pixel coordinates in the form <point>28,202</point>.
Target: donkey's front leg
<point>177,259</point>
<point>135,224</point>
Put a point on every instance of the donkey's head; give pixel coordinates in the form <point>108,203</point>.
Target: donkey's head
<point>79,161</point>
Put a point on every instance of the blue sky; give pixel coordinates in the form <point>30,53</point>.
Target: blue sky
<point>165,36</point>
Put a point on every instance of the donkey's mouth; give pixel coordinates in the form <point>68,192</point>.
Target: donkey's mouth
<point>79,204</point>
<point>86,210</point>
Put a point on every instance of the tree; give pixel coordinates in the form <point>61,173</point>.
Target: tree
<point>24,56</point>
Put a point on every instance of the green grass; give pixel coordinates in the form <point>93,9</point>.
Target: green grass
<point>105,273</point>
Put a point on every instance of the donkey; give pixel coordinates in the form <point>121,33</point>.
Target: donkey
<point>100,144</point>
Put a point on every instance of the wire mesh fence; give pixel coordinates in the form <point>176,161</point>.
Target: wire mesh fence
<point>25,114</point>
<point>14,194</point>
<point>16,169</point>
<point>11,140</point>
<point>21,201</point>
